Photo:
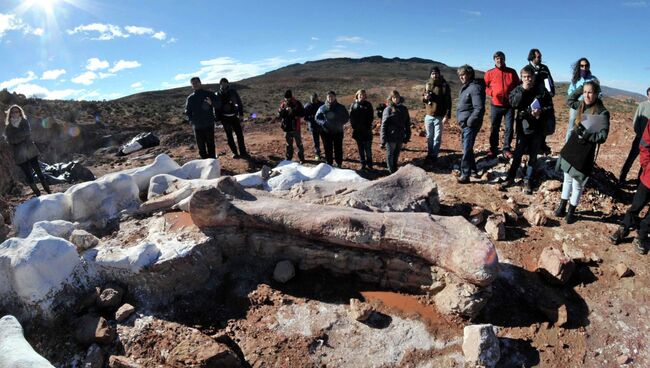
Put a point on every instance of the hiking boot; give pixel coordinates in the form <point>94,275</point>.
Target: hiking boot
<point>618,235</point>
<point>507,154</point>
<point>570,215</point>
<point>640,246</point>
<point>245,155</point>
<point>463,179</point>
<point>528,187</point>
<point>506,184</point>
<point>560,211</point>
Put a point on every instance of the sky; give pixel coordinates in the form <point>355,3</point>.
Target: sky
<point>101,50</point>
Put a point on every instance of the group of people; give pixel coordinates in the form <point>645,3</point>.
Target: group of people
<point>523,100</point>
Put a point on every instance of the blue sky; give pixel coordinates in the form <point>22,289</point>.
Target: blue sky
<point>93,50</point>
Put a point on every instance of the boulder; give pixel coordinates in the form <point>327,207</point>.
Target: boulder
<point>553,264</point>
<point>284,271</point>
<point>481,345</point>
<point>15,351</point>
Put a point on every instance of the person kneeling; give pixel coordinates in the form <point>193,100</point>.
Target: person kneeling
<point>532,107</point>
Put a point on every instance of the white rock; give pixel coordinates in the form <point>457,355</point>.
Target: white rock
<point>57,228</point>
<point>132,259</point>
<point>199,169</point>
<point>15,351</point>
<point>162,164</point>
<point>481,345</point>
<point>44,208</point>
<point>284,271</point>
<point>292,173</point>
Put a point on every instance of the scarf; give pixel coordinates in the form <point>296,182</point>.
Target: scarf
<point>15,121</point>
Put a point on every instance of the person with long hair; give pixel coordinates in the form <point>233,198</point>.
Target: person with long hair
<point>18,135</point>
<point>395,129</point>
<point>578,156</point>
<point>581,73</point>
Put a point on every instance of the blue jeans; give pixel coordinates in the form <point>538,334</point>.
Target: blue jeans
<point>433,125</point>
<point>468,161</point>
<point>365,153</point>
<point>572,189</point>
<point>496,113</point>
<point>315,135</point>
<point>392,155</point>
<point>572,119</point>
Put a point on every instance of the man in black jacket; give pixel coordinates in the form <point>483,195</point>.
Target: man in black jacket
<point>290,114</point>
<point>361,118</point>
<point>469,115</point>
<point>543,81</point>
<point>199,108</point>
<point>532,108</point>
<point>310,117</point>
<point>230,113</point>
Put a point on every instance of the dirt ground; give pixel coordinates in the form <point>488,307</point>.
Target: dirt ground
<point>608,313</point>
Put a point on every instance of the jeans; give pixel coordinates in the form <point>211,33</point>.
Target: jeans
<point>289,137</point>
<point>392,155</point>
<point>232,124</point>
<point>572,119</point>
<point>631,157</point>
<point>468,161</point>
<point>365,152</point>
<point>526,144</point>
<point>572,189</point>
<point>496,113</point>
<point>641,199</point>
<point>433,125</point>
<point>333,145</point>
<point>316,133</point>
<point>205,141</point>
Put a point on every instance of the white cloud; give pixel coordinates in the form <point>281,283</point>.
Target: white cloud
<point>33,90</point>
<point>86,78</point>
<point>103,75</point>
<point>473,13</point>
<point>311,47</point>
<point>172,40</point>
<point>9,22</point>
<point>106,31</point>
<point>92,95</point>
<point>52,74</point>
<point>292,50</point>
<point>160,35</point>
<point>124,64</point>
<point>635,4</point>
<point>315,38</point>
<point>95,64</point>
<point>17,81</point>
<point>351,39</point>
<point>213,70</point>
<point>138,30</point>
<point>136,85</point>
<point>338,52</point>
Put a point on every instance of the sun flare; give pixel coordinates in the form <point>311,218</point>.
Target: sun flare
<point>46,5</point>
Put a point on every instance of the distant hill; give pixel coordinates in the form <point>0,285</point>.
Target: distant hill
<point>622,95</point>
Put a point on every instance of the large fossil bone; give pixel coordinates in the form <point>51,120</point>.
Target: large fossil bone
<point>15,351</point>
<point>449,242</point>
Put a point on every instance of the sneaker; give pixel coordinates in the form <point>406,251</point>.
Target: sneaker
<point>618,235</point>
<point>640,246</point>
<point>463,179</point>
<point>507,154</point>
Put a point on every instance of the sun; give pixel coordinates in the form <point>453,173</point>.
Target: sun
<point>45,5</point>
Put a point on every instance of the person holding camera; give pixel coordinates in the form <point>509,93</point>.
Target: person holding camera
<point>200,109</point>
<point>437,104</point>
<point>532,107</point>
<point>331,117</point>
<point>290,113</point>
<point>361,117</point>
<point>230,112</point>
<point>499,82</point>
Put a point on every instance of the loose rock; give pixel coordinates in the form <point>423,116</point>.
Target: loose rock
<point>83,239</point>
<point>461,298</point>
<point>92,328</point>
<point>481,345</point>
<point>574,253</point>
<point>555,265</point>
<point>124,312</point>
<point>623,359</point>
<point>535,215</point>
<point>495,227</point>
<point>622,270</point>
<point>110,298</point>
<point>284,271</point>
<point>359,310</point>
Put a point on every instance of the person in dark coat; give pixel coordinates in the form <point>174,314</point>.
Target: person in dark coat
<point>200,110</point>
<point>311,108</point>
<point>395,129</point>
<point>290,114</point>
<point>18,134</point>
<point>532,107</point>
<point>578,155</point>
<point>230,112</point>
<point>437,105</point>
<point>362,115</point>
<point>332,117</point>
<point>469,114</point>
<point>543,80</point>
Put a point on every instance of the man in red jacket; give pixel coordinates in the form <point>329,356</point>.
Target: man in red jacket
<point>641,199</point>
<point>499,82</point>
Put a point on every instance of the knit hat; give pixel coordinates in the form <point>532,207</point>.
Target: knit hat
<point>288,94</point>
<point>434,69</point>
